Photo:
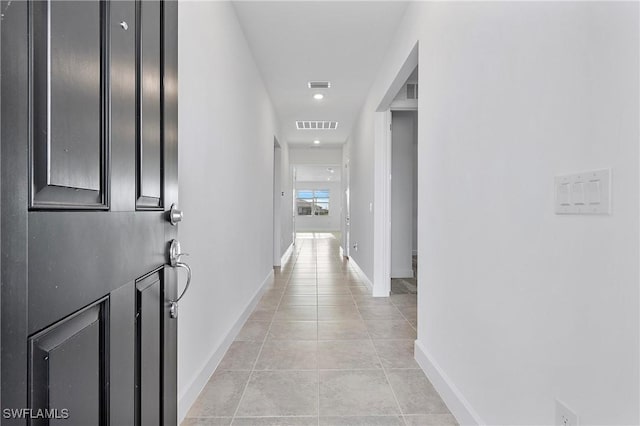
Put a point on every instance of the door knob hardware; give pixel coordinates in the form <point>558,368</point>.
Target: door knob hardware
<point>175,215</point>
<point>173,304</point>
<point>124,25</point>
<point>175,253</point>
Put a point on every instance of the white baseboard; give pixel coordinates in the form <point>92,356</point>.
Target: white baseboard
<point>189,396</point>
<point>451,395</point>
<point>365,279</point>
<point>360,272</point>
<point>402,273</point>
<point>286,254</point>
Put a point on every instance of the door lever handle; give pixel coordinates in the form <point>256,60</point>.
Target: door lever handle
<point>173,304</point>
<point>175,254</point>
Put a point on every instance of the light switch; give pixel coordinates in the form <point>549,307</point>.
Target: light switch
<point>577,193</point>
<point>563,194</point>
<point>586,193</point>
<point>593,192</point>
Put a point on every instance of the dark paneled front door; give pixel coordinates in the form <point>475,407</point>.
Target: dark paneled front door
<point>88,169</point>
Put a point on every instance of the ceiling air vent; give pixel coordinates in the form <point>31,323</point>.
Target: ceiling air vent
<point>319,84</point>
<point>316,125</point>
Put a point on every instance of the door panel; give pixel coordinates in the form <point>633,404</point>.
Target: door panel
<point>149,339</point>
<point>123,105</point>
<point>68,369</point>
<point>122,325</point>
<point>149,116</point>
<point>170,352</point>
<point>75,62</point>
<point>76,231</point>
<point>68,142</point>
<point>113,249</point>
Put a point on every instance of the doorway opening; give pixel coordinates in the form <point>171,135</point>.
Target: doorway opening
<point>404,188</point>
<point>277,203</point>
<point>395,240</point>
<point>318,199</point>
<point>396,216</point>
<point>403,198</point>
<point>346,209</point>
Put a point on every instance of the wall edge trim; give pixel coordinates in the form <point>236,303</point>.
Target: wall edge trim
<point>287,254</point>
<point>449,392</point>
<point>360,272</point>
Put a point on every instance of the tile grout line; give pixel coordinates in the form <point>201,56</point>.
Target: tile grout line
<point>407,319</point>
<point>384,371</point>
<point>264,341</point>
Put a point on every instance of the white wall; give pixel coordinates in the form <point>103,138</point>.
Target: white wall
<point>361,179</point>
<point>315,155</point>
<point>403,142</point>
<point>330,222</point>
<point>519,306</point>
<point>277,204</point>
<point>226,185</point>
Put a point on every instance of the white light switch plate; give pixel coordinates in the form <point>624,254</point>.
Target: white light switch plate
<point>587,193</point>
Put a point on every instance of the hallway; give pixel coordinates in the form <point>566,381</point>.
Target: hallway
<point>319,350</point>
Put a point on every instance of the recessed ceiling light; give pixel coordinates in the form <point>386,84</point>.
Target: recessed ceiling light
<point>317,142</point>
<point>318,96</point>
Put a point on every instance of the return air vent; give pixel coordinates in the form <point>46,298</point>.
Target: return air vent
<point>319,84</point>
<point>412,91</point>
<point>316,125</point>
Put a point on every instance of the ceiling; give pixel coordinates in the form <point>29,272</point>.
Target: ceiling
<point>314,173</point>
<point>294,42</point>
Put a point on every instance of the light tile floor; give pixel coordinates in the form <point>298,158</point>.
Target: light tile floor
<point>319,350</point>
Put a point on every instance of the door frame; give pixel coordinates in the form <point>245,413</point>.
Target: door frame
<point>14,196</point>
<point>277,202</point>
<point>293,174</point>
<point>382,205</point>
<point>346,207</point>
<point>382,180</point>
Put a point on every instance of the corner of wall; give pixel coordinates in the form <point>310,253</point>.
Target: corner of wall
<point>360,272</point>
<point>287,254</point>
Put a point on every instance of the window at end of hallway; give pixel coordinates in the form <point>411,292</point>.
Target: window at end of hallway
<point>312,202</point>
